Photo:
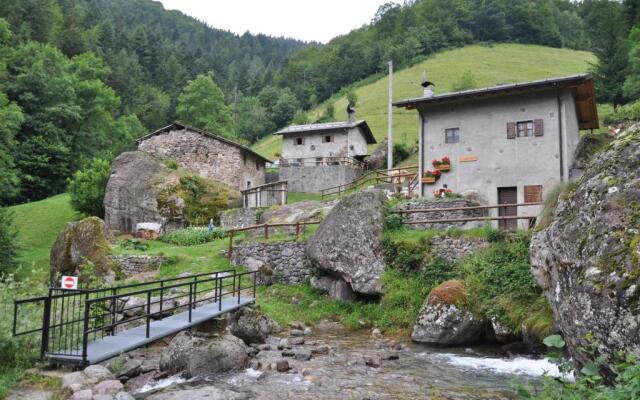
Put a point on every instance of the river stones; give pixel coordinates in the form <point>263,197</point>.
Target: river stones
<point>251,325</point>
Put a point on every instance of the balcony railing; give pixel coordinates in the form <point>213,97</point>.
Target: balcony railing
<point>317,161</point>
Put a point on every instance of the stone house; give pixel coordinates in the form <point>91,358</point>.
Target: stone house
<point>318,156</point>
<point>507,144</point>
<point>208,155</point>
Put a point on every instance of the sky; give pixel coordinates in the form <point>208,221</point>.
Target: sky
<point>316,20</point>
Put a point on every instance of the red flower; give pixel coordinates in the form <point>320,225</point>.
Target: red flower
<point>446,160</point>
<point>436,173</point>
<point>435,162</point>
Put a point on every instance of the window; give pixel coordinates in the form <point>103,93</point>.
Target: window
<point>327,139</point>
<point>452,135</point>
<point>524,128</point>
<point>533,194</point>
<point>299,141</point>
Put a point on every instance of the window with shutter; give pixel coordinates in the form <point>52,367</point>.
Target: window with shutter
<point>538,127</point>
<point>511,130</point>
<point>533,194</point>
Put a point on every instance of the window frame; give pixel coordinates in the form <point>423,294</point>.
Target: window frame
<point>529,128</point>
<point>327,136</point>
<point>456,135</point>
<point>298,141</point>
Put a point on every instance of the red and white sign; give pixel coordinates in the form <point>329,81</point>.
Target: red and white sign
<point>70,282</point>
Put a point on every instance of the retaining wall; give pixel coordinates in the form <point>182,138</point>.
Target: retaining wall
<point>444,205</point>
<point>278,262</point>
<point>312,179</point>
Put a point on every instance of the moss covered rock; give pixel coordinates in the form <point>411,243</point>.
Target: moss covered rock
<point>142,189</point>
<point>587,259</point>
<point>443,319</point>
<point>82,249</point>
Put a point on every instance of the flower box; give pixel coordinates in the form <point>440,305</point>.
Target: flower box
<point>444,167</point>
<point>429,179</point>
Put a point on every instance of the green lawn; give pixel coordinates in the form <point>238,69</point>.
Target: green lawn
<point>38,225</point>
<point>490,65</point>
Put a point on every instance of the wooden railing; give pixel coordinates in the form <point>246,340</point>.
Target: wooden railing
<point>317,161</point>
<point>373,178</point>
<point>267,195</point>
<point>265,227</point>
<point>502,207</point>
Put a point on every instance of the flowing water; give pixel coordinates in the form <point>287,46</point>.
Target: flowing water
<point>420,372</point>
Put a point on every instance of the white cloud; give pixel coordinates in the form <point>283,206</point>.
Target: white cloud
<point>318,20</point>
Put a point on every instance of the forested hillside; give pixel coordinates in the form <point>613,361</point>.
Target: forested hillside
<point>82,78</point>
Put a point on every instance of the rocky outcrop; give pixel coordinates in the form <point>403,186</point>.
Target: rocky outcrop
<point>82,249</point>
<point>303,211</point>
<point>203,356</point>
<point>378,157</point>
<point>239,217</point>
<point>587,259</point>
<point>141,189</point>
<point>347,243</point>
<point>444,321</point>
<point>336,288</point>
<point>251,325</point>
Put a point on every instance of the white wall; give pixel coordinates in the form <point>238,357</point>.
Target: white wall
<point>501,162</point>
<point>343,140</point>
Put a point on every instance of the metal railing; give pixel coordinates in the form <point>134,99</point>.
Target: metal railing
<point>376,177</point>
<point>317,161</point>
<point>299,227</point>
<point>267,195</point>
<point>71,319</point>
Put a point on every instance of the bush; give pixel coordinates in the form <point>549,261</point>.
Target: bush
<point>8,247</point>
<point>171,164</point>
<point>87,187</point>
<point>625,113</point>
<point>193,236</point>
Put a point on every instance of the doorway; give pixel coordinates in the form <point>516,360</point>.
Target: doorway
<point>508,195</point>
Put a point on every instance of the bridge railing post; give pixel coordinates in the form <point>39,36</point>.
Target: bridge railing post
<point>220,280</point>
<point>190,299</point>
<point>195,291</point>
<point>239,287</point>
<point>161,297</point>
<point>85,332</point>
<point>46,319</point>
<point>114,303</point>
<point>148,313</point>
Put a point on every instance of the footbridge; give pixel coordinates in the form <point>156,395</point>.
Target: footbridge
<point>88,326</point>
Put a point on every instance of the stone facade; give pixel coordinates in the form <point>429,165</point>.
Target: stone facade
<point>455,248</point>
<point>279,262</point>
<point>136,264</point>
<point>312,179</point>
<point>239,218</point>
<point>207,155</point>
<point>422,203</point>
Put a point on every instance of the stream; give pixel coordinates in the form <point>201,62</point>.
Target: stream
<point>419,372</point>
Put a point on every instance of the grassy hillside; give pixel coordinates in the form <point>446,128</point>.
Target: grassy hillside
<point>38,225</point>
<point>490,65</point>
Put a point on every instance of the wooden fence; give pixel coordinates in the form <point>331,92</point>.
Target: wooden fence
<point>267,195</point>
<point>265,227</point>
<point>395,175</point>
<point>502,208</point>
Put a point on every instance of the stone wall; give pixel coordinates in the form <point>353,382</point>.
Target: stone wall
<point>207,156</point>
<point>278,262</point>
<point>239,217</point>
<point>136,264</point>
<point>422,203</point>
<point>312,179</point>
<point>455,248</point>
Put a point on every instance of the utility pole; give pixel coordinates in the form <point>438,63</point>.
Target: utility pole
<point>390,114</point>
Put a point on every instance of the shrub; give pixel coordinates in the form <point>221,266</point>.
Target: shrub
<point>8,247</point>
<point>135,244</point>
<point>87,187</point>
<point>193,236</point>
<point>393,221</point>
<point>400,152</point>
<point>171,164</point>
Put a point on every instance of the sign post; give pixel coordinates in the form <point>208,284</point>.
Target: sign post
<point>69,282</point>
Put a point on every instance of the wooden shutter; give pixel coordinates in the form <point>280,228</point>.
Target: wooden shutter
<point>511,130</point>
<point>538,127</point>
<point>533,194</point>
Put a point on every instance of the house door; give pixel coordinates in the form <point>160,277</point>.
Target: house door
<point>508,195</point>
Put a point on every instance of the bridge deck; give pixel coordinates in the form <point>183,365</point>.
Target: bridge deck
<point>111,346</point>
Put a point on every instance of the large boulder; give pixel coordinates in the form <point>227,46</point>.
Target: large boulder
<point>82,249</point>
<point>443,321</point>
<point>303,211</point>
<point>141,189</point>
<point>251,325</point>
<point>347,242</point>
<point>378,157</point>
<point>202,356</point>
<point>336,288</point>
<point>586,257</point>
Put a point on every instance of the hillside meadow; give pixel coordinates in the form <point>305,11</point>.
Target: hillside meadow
<point>489,65</point>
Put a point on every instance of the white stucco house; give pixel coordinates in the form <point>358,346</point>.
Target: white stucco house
<point>318,156</point>
<point>509,143</point>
